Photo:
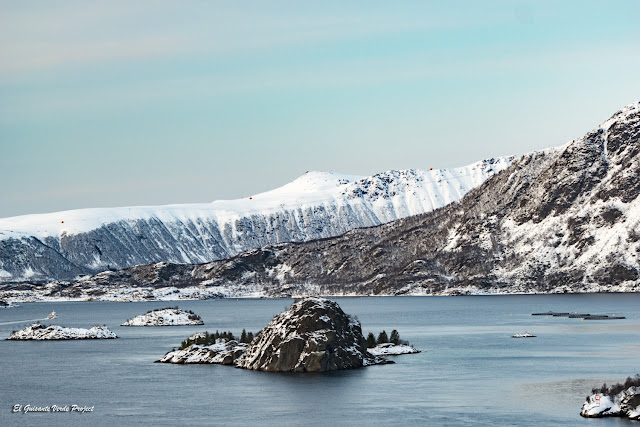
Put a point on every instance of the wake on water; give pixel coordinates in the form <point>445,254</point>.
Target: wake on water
<point>23,321</point>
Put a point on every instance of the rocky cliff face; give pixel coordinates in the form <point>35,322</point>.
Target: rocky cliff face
<point>312,335</point>
<point>65,245</point>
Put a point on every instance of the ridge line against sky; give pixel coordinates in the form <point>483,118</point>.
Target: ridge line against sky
<point>157,102</point>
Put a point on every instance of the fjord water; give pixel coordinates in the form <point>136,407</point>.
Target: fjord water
<point>471,370</point>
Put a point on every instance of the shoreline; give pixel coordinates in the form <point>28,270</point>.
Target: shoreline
<point>124,298</point>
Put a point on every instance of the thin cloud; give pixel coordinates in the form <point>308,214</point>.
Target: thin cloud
<point>86,34</point>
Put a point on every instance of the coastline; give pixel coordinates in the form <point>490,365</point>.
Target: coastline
<point>195,294</point>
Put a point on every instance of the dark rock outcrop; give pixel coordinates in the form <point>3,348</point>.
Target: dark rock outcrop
<point>313,335</point>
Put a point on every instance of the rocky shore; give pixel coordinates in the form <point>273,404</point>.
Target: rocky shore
<point>618,400</point>
<point>223,352</point>
<point>389,349</point>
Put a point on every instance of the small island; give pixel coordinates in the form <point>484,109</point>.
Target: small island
<point>312,335</point>
<point>170,316</point>
<point>38,331</point>
<point>4,304</point>
<point>618,400</point>
<point>205,348</point>
<point>389,346</point>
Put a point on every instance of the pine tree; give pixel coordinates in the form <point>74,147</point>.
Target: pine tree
<point>383,338</point>
<point>395,337</point>
<point>243,336</point>
<point>371,340</point>
<point>249,337</point>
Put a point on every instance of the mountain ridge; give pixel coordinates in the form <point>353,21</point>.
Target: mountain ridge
<point>65,245</point>
<point>561,220</point>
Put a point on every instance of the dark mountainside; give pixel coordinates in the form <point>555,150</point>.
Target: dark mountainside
<point>564,220</point>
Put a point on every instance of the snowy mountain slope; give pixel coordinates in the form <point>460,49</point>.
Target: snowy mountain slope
<point>64,245</point>
<point>564,220</point>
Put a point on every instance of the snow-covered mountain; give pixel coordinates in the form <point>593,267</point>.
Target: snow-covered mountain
<point>65,245</point>
<point>563,220</point>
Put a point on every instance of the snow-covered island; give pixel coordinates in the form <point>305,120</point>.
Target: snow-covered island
<point>386,345</point>
<point>619,400</point>
<point>165,317</point>
<point>390,349</point>
<point>223,351</point>
<point>313,335</point>
<point>38,331</point>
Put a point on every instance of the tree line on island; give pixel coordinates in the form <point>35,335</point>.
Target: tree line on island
<point>383,338</point>
<point>616,388</point>
<point>209,339</point>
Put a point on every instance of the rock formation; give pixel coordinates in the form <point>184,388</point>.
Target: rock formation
<point>312,335</point>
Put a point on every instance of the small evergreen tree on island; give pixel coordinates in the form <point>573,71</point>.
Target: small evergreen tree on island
<point>383,338</point>
<point>395,337</point>
<point>618,387</point>
<point>371,340</point>
<point>208,339</point>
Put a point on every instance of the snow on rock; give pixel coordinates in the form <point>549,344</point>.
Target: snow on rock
<point>223,352</point>
<point>314,334</point>
<point>390,349</point>
<point>66,245</point>
<point>625,404</point>
<point>165,317</point>
<point>38,331</point>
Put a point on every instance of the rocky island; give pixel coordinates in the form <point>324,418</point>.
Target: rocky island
<point>38,331</point>
<point>313,335</point>
<point>619,400</point>
<point>165,317</point>
<point>223,351</point>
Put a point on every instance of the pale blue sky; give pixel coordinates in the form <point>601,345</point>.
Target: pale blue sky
<point>120,103</point>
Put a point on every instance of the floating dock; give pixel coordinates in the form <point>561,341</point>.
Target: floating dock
<point>597,317</point>
<point>585,316</point>
<point>552,313</point>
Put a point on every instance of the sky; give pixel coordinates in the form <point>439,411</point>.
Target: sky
<point>121,103</point>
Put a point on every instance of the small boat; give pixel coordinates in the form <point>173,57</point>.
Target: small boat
<point>52,315</point>
<point>525,335</point>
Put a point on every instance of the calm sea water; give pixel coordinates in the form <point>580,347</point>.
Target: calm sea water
<point>471,371</point>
